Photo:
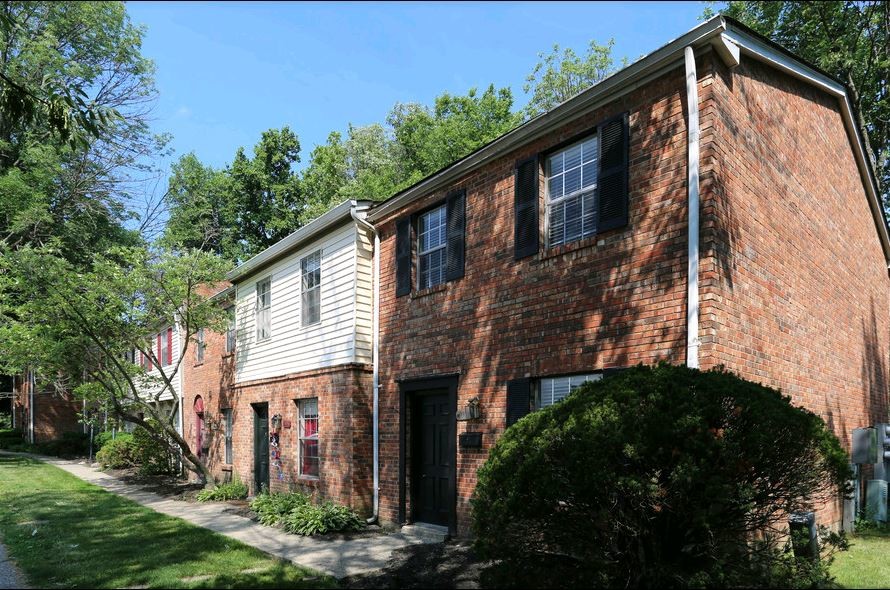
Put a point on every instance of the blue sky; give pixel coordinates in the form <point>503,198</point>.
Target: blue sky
<point>228,71</point>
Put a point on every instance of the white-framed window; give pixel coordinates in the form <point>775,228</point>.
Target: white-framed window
<point>200,345</point>
<point>310,291</point>
<point>553,389</point>
<point>264,309</point>
<point>166,338</point>
<point>227,420</point>
<point>431,239</point>
<point>571,192</point>
<point>230,329</point>
<point>307,449</point>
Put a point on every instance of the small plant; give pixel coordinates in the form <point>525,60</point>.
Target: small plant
<point>310,519</point>
<point>273,508</point>
<point>118,453</point>
<point>152,456</point>
<point>233,490</point>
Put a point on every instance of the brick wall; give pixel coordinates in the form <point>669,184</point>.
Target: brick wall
<point>794,280</point>
<point>54,414</point>
<point>615,300</point>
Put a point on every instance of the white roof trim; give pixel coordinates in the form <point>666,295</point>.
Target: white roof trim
<point>311,230</point>
<point>628,79</point>
<point>607,90</point>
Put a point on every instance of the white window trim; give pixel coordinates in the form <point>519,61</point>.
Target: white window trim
<point>200,346</point>
<point>261,309</point>
<point>549,203</point>
<point>231,327</point>
<point>228,436</point>
<point>301,438</point>
<point>303,292</point>
<point>421,253</point>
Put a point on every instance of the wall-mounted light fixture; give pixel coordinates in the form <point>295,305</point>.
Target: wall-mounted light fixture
<point>276,422</point>
<point>471,411</point>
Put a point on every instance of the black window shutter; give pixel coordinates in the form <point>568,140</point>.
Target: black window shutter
<point>403,256</point>
<point>519,398</point>
<point>612,181</point>
<point>455,229</point>
<point>526,208</point>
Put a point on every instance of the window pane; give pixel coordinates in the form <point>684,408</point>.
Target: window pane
<point>573,157</point>
<point>554,389</point>
<point>557,224</point>
<point>555,164</point>
<point>311,306</point>
<point>573,218</point>
<point>591,149</point>
<point>308,435</point>
<point>588,172</point>
<point>572,180</point>
<point>572,215</point>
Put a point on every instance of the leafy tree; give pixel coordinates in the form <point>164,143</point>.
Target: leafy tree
<point>77,327</point>
<point>561,75</point>
<point>79,194</point>
<point>431,139</point>
<point>851,41</point>
<point>241,210</point>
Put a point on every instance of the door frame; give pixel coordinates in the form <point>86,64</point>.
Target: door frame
<point>412,388</point>
<point>256,420</point>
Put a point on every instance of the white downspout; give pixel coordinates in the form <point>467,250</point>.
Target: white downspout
<point>31,383</point>
<point>692,303</point>
<point>375,322</point>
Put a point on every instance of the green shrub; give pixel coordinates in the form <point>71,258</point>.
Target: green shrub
<point>118,453</point>
<point>70,444</point>
<point>657,477</point>
<point>309,519</point>
<point>5,421</point>
<point>233,490</point>
<point>100,439</point>
<point>152,456</point>
<point>272,508</point>
<point>14,440</point>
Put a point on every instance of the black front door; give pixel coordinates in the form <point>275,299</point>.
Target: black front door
<point>433,454</point>
<point>260,447</point>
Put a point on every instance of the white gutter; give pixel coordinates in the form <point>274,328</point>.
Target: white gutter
<point>31,384</point>
<point>374,358</point>
<point>692,132</point>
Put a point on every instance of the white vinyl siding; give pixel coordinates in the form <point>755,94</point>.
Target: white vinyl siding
<point>571,192</point>
<point>554,389</point>
<point>329,342</point>
<point>154,376</point>
<point>310,288</point>
<point>230,329</point>
<point>364,296</point>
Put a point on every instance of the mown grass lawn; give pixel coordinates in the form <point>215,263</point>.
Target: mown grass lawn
<point>866,564</point>
<point>65,533</point>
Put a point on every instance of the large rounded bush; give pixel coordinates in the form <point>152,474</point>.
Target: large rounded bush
<point>663,476</point>
<point>118,453</point>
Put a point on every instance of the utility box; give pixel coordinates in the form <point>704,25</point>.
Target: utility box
<point>882,465</point>
<point>876,500</point>
<point>804,535</point>
<point>865,446</point>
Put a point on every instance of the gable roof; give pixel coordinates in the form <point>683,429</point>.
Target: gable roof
<point>717,31</point>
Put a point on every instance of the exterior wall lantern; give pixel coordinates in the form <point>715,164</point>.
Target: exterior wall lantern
<point>276,422</point>
<point>471,411</point>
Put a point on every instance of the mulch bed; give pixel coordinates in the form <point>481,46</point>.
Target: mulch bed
<point>453,564</point>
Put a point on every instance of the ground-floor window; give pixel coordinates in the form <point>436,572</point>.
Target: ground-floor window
<point>227,419</point>
<point>553,389</point>
<point>308,458</point>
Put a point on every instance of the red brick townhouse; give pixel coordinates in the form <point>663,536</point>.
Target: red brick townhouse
<point>711,204</point>
<point>285,399</point>
<point>40,414</point>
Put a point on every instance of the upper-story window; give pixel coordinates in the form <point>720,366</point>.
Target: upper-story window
<point>431,241</point>
<point>264,309</point>
<point>166,347</point>
<point>310,267</point>
<point>200,345</point>
<point>230,329</point>
<point>571,192</point>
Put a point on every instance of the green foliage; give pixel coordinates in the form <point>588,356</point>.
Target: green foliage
<point>560,76</point>
<point>152,450</point>
<point>5,422</point>
<point>273,508</point>
<point>69,445</point>
<point>310,519</point>
<point>656,477</point>
<point>849,40</point>
<point>100,439</point>
<point>119,453</point>
<point>233,490</point>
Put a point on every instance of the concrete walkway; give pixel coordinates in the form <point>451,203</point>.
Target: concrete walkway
<point>336,557</point>
<point>10,576</point>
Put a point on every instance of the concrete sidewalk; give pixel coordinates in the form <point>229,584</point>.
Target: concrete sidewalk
<point>10,576</point>
<point>336,557</point>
